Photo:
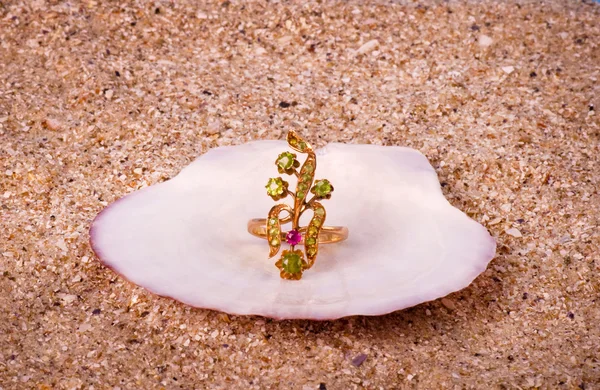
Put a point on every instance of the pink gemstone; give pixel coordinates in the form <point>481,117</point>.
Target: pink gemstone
<point>293,237</point>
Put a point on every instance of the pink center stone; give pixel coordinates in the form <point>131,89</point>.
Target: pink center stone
<point>293,237</point>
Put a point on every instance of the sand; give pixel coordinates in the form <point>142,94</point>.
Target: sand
<point>99,99</point>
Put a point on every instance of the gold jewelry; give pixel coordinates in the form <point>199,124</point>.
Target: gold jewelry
<point>327,235</point>
<point>292,262</point>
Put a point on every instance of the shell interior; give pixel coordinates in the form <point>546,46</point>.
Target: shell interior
<point>186,238</point>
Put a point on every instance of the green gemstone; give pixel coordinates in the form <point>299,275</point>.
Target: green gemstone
<point>302,145</point>
<point>306,177</point>
<point>275,242</point>
<point>312,231</point>
<point>292,263</point>
<point>273,232</point>
<point>317,222</point>
<point>275,186</point>
<point>285,160</point>
<point>311,251</point>
<point>302,186</point>
<point>311,241</point>
<point>322,188</point>
<point>301,194</point>
<point>308,168</point>
<point>272,221</point>
<point>293,141</point>
<point>320,212</point>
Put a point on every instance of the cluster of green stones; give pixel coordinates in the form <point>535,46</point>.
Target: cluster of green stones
<point>274,228</point>
<point>305,178</point>
<point>277,188</point>
<point>312,232</point>
<point>274,232</point>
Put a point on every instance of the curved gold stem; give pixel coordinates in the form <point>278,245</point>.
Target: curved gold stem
<point>307,205</point>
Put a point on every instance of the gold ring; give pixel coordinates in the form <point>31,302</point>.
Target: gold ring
<point>328,234</point>
<point>292,262</point>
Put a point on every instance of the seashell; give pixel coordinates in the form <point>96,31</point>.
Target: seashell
<point>186,238</point>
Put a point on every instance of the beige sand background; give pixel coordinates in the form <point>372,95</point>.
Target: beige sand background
<point>99,99</point>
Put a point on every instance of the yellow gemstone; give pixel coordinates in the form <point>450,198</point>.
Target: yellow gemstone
<point>322,188</point>
<point>291,262</point>
<point>275,186</point>
<point>285,160</point>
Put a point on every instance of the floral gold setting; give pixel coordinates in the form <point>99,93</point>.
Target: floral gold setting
<point>294,262</point>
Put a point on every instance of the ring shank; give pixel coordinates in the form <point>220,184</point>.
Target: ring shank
<point>327,235</point>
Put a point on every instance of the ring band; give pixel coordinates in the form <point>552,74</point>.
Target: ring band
<point>328,234</point>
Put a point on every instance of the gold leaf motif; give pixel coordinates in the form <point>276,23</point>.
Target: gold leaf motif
<point>305,179</point>
<point>311,239</point>
<point>297,143</point>
<point>306,175</point>
<point>273,227</point>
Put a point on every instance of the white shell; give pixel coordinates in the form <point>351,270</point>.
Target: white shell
<point>187,238</point>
